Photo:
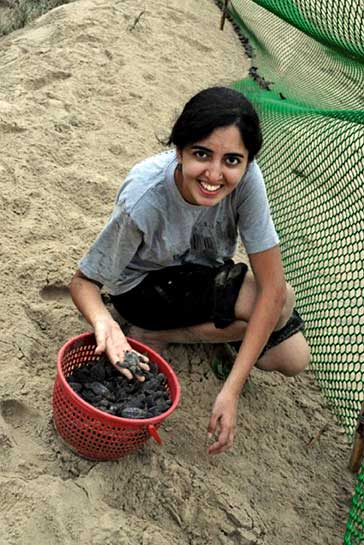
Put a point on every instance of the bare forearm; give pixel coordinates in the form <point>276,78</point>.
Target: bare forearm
<point>261,324</point>
<point>86,296</point>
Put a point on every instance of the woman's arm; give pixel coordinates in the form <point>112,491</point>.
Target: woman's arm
<point>269,302</point>
<point>86,295</point>
<point>271,293</point>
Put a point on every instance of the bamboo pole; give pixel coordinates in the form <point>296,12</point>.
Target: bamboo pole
<point>224,13</point>
<point>356,457</point>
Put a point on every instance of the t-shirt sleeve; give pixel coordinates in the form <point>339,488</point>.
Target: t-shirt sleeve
<point>256,227</point>
<point>112,251</point>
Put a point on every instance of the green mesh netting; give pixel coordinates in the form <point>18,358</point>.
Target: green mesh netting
<point>307,81</point>
<point>355,527</point>
<point>337,24</point>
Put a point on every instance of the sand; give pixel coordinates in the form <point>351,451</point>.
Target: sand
<point>85,92</point>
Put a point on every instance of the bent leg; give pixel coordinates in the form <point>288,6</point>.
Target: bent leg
<point>207,332</point>
<point>290,357</point>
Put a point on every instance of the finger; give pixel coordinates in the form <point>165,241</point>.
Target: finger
<point>100,348</point>
<point>214,448</point>
<point>140,376</point>
<point>212,425</point>
<point>211,430</point>
<point>100,344</point>
<point>221,445</point>
<point>100,339</point>
<point>219,449</point>
<point>221,442</point>
<point>143,358</point>
<point>128,374</point>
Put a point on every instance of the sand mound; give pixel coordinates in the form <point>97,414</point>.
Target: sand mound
<point>85,92</point>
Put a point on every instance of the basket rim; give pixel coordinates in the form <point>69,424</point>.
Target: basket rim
<point>130,422</point>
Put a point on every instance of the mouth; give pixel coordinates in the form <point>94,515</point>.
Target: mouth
<point>209,189</point>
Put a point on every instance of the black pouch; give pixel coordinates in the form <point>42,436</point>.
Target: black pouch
<point>170,298</point>
<point>228,282</point>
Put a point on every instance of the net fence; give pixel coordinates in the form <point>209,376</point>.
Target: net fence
<point>307,82</point>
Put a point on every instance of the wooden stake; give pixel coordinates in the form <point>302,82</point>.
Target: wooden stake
<point>224,13</point>
<point>356,457</point>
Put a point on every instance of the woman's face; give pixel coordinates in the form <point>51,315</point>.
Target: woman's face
<point>213,167</point>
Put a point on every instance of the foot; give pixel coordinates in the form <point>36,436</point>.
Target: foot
<point>147,337</point>
<point>222,360</point>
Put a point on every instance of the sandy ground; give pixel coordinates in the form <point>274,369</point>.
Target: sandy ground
<point>84,94</point>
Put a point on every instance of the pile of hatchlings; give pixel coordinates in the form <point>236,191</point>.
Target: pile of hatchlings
<point>104,387</point>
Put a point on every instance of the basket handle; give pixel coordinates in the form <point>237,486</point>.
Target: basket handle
<point>153,433</point>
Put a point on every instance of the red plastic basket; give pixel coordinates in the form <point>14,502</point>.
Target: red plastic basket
<point>92,433</point>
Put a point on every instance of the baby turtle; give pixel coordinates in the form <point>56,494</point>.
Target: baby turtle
<point>131,362</point>
<point>134,412</point>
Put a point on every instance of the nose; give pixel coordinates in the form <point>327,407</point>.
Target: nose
<point>214,172</point>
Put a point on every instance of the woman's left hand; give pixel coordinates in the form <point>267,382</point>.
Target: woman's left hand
<point>223,422</point>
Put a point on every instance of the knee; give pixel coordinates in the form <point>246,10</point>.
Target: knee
<point>290,357</point>
<point>299,358</point>
<point>287,307</point>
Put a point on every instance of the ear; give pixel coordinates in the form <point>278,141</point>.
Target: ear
<point>179,155</point>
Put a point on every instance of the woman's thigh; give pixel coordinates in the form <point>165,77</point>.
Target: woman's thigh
<point>246,299</point>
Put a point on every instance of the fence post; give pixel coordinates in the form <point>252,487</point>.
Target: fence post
<point>358,444</point>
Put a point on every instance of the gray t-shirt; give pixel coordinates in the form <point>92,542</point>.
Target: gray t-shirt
<point>152,226</point>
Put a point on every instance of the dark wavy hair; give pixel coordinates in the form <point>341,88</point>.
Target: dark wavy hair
<point>213,108</point>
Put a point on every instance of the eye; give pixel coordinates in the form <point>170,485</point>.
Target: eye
<point>200,154</point>
<point>232,161</point>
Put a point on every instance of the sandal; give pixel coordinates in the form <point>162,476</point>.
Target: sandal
<point>222,360</point>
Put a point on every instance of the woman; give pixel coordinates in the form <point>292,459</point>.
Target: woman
<point>165,254</point>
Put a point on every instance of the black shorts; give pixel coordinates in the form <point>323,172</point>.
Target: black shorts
<point>183,296</point>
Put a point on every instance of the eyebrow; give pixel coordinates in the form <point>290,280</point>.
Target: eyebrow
<point>208,150</point>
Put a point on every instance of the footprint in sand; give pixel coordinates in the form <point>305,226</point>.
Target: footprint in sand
<point>22,422</point>
<point>26,442</point>
<point>15,413</point>
<point>48,79</point>
<point>55,293</point>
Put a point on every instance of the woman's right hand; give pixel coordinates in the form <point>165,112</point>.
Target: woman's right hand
<point>109,336</point>
<point>111,340</point>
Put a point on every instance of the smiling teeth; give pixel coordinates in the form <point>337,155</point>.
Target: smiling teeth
<point>209,187</point>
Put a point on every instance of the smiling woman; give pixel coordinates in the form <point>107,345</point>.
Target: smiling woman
<point>212,168</point>
<point>165,255</point>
